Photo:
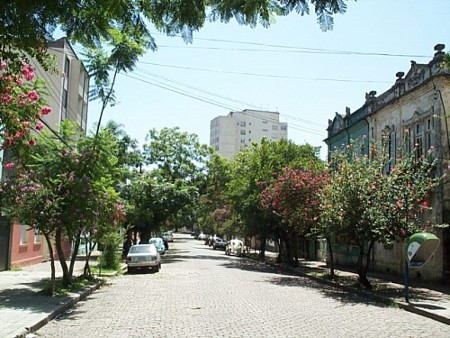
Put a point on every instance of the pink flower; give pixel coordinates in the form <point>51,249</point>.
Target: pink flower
<point>46,110</point>
<point>39,126</point>
<point>26,123</point>
<point>28,72</point>
<point>7,98</point>
<point>2,65</point>
<point>29,76</point>
<point>31,142</point>
<point>33,96</point>
<point>9,165</point>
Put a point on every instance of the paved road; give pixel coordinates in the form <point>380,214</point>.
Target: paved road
<point>200,292</point>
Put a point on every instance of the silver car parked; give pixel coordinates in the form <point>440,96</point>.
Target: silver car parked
<point>143,256</point>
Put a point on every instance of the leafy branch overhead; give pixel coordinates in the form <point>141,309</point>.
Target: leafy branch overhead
<point>28,25</point>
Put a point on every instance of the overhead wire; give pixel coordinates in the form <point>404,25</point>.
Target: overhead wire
<point>192,87</point>
<point>327,52</point>
<point>177,91</point>
<point>262,75</point>
<point>214,102</point>
<point>219,104</point>
<point>295,48</point>
<point>284,48</point>
<point>223,97</point>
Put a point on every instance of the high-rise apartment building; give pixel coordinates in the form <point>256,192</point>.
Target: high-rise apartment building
<point>238,130</point>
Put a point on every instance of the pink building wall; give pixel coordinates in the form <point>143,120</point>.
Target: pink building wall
<point>24,254</point>
<point>32,252</point>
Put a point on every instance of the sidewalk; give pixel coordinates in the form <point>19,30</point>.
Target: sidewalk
<point>22,309</point>
<point>431,300</point>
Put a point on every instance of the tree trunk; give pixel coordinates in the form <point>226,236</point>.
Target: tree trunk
<point>51,289</point>
<point>75,252</point>
<point>262,249</point>
<point>279,259</point>
<point>369,254</point>
<point>67,278</point>
<point>87,268</point>
<point>331,259</point>
<point>294,247</point>
<point>288,249</point>
<point>283,247</point>
<point>361,270</point>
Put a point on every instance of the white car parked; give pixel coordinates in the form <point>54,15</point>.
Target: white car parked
<point>168,236</point>
<point>234,247</point>
<point>143,256</point>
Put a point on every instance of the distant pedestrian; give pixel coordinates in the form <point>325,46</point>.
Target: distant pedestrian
<point>126,246</point>
<point>166,243</point>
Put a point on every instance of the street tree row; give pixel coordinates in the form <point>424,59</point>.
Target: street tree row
<point>284,192</point>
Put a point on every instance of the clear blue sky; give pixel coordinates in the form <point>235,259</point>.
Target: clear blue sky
<point>276,69</point>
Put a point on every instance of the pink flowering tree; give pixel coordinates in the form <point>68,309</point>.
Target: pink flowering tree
<point>21,109</point>
<point>63,189</point>
<point>294,196</point>
<point>364,204</point>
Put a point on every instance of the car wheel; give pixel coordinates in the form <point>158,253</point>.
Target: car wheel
<point>159,265</point>
<point>214,248</point>
<point>157,268</point>
<point>130,270</point>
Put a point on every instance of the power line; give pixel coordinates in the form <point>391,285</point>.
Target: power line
<point>179,92</point>
<point>261,75</point>
<point>216,103</point>
<point>295,49</point>
<point>324,52</point>
<point>230,99</point>
<point>193,88</point>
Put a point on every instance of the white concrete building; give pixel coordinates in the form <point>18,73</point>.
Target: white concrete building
<point>238,130</point>
<point>68,88</point>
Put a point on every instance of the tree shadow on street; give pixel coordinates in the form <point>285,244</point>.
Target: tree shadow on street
<point>343,289</point>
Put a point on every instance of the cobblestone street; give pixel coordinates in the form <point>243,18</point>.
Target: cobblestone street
<point>201,292</point>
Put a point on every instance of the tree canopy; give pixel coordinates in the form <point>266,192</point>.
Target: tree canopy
<point>28,25</point>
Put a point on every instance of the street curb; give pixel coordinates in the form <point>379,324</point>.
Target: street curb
<point>411,308</point>
<point>402,305</point>
<point>73,299</point>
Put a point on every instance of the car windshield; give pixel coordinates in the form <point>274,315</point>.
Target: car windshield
<point>155,240</point>
<point>141,249</point>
